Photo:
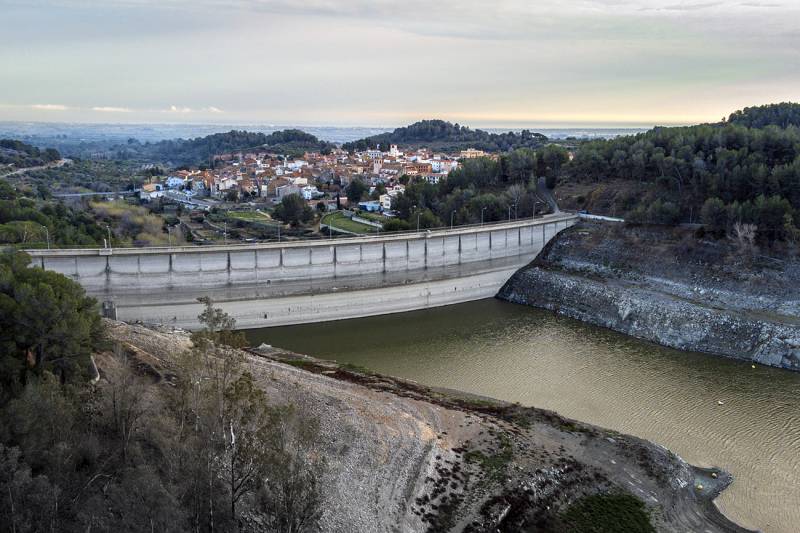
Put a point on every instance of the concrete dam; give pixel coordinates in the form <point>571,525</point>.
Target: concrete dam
<point>295,282</point>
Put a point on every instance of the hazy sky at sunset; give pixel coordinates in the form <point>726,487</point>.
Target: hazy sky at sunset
<point>359,62</point>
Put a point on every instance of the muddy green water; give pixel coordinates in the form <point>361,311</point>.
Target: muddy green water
<point>518,353</point>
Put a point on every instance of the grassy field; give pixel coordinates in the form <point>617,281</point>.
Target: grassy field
<point>252,216</point>
<point>338,220</point>
<point>375,217</point>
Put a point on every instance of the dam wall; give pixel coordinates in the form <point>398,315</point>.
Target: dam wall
<point>306,281</point>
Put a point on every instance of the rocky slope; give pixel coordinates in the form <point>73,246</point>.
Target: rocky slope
<point>404,457</point>
<point>669,287</point>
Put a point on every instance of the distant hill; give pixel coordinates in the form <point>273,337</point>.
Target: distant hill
<point>445,136</point>
<point>782,115</point>
<point>22,155</point>
<point>200,150</point>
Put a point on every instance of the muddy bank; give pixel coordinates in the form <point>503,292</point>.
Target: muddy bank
<point>405,457</point>
<point>669,287</point>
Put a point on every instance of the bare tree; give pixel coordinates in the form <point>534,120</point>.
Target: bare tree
<point>745,235</point>
<point>128,401</point>
<point>292,494</point>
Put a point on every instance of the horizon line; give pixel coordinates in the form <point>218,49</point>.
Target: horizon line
<point>530,125</point>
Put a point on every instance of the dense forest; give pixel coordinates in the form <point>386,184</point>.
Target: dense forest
<point>32,221</point>
<point>199,151</point>
<point>742,171</point>
<point>129,448</point>
<point>22,155</point>
<point>783,115</point>
<point>445,136</point>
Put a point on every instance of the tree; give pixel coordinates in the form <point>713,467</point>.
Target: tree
<point>293,210</point>
<point>248,453</point>
<point>715,216</point>
<point>46,323</point>
<point>127,402</point>
<point>28,503</point>
<point>356,190</point>
<point>218,327</point>
<point>292,494</point>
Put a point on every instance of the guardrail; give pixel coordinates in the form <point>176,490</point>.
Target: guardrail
<point>405,234</point>
<point>422,233</point>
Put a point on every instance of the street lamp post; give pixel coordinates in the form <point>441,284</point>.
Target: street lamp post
<point>47,234</point>
<point>169,232</point>
<point>418,215</point>
<point>482,210</point>
<point>509,213</point>
<point>108,228</point>
<point>452,214</point>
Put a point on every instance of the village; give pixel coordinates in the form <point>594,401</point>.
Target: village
<point>342,193</point>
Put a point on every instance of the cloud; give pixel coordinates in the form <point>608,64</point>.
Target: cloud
<point>176,109</point>
<point>49,107</point>
<point>186,110</point>
<point>691,7</point>
<point>111,109</point>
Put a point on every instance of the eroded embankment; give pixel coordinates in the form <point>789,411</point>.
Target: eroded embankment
<point>405,457</point>
<point>669,287</point>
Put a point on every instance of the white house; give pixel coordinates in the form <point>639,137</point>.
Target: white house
<point>309,192</point>
<point>173,182</point>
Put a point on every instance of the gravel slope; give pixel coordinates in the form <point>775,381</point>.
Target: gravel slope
<point>408,458</point>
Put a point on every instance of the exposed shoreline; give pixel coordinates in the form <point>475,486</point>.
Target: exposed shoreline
<point>425,458</point>
<point>666,288</point>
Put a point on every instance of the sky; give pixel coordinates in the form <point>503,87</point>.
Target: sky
<point>379,62</point>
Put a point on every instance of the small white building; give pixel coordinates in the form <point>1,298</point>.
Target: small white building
<point>174,182</point>
<point>309,192</point>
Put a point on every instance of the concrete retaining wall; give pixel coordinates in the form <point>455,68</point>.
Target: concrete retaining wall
<point>146,283</point>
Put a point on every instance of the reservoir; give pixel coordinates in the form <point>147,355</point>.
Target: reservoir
<point>537,358</point>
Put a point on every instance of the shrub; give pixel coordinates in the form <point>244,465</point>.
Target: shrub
<point>607,513</point>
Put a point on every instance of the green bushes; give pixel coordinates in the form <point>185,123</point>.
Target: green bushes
<point>772,217</point>
<point>607,513</point>
<point>664,213</point>
<point>395,224</point>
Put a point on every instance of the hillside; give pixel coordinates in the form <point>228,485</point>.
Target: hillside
<point>783,115</point>
<point>199,150</point>
<point>745,170</point>
<point>666,286</point>
<point>441,135</point>
<point>16,154</point>
<point>404,456</point>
